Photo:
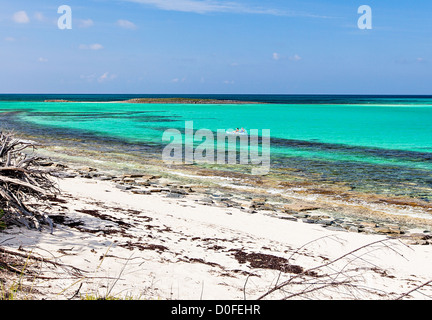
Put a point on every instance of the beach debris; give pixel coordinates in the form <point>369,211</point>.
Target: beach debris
<point>266,261</point>
<point>25,183</point>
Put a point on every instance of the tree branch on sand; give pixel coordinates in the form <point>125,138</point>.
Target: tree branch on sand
<point>23,182</point>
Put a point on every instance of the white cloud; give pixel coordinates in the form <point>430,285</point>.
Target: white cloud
<point>276,56</point>
<point>228,6</point>
<point>41,59</point>
<point>106,77</point>
<point>295,57</point>
<point>126,24</point>
<point>20,17</point>
<point>94,77</point>
<point>94,46</point>
<point>39,16</point>
<point>10,39</point>
<point>229,82</point>
<point>86,23</point>
<point>206,6</point>
<point>185,5</point>
<point>88,77</point>
<point>177,80</point>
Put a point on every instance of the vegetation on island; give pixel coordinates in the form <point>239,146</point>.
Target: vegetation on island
<point>186,101</point>
<point>170,100</point>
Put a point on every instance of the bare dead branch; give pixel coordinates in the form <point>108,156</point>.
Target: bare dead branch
<point>329,275</point>
<point>22,181</point>
<point>415,289</point>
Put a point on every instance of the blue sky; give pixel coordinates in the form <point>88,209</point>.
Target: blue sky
<point>216,46</point>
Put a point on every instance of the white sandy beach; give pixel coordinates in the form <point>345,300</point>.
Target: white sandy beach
<point>154,247</point>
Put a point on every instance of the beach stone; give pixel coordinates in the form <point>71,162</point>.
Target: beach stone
<point>297,207</point>
<point>300,215</point>
<point>133,176</point>
<point>290,218</point>
<point>228,203</point>
<point>206,200</point>
<point>367,224</point>
<point>420,238</point>
<point>353,229</point>
<point>64,174</point>
<point>87,169</point>
<point>174,195</point>
<point>386,230</point>
<point>96,174</point>
<point>335,228</point>
<point>367,230</point>
<point>140,191</point>
<point>143,176</point>
<point>178,191</point>
<point>268,206</point>
<point>159,190</point>
<point>421,242</point>
<point>145,183</point>
<point>306,220</point>
<point>341,221</point>
<point>326,222</point>
<point>262,206</point>
<point>123,187</point>
<point>396,229</point>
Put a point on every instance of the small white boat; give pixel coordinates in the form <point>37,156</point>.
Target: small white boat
<point>237,132</point>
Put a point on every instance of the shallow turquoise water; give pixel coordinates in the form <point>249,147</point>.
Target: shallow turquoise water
<point>372,139</point>
<point>404,128</point>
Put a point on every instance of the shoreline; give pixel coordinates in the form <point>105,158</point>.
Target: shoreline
<point>304,199</point>
<point>334,205</point>
<point>187,232</point>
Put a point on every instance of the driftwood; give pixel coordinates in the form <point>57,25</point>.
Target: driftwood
<point>23,183</point>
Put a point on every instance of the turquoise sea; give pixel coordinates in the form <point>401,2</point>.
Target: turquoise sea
<point>378,143</point>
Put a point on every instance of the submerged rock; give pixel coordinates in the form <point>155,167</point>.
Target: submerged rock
<point>298,207</point>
